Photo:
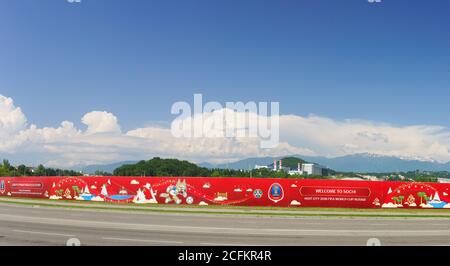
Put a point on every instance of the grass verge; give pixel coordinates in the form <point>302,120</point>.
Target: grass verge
<point>259,211</point>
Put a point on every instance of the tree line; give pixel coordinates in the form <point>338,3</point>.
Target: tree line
<point>6,169</point>
<point>174,167</point>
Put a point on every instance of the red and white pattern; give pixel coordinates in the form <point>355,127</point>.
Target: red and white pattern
<point>232,191</point>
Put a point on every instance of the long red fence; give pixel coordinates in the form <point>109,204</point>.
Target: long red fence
<point>231,191</point>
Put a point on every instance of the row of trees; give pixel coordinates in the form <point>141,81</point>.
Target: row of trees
<point>6,169</point>
<point>174,167</point>
<point>417,178</point>
<point>161,167</point>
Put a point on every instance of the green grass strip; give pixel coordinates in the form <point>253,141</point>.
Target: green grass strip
<point>267,214</point>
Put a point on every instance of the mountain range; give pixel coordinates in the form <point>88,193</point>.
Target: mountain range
<point>360,163</point>
<point>108,168</point>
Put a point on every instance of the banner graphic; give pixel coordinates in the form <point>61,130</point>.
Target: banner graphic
<point>231,191</point>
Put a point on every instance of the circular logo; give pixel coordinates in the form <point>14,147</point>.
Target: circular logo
<point>276,193</point>
<point>189,200</point>
<point>258,193</point>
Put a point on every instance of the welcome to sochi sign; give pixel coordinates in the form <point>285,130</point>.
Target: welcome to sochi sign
<point>232,191</point>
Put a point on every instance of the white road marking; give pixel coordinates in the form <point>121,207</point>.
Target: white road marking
<point>223,230</point>
<point>142,240</point>
<point>41,233</point>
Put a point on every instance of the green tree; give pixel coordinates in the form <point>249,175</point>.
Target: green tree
<point>40,171</point>
<point>6,169</point>
<point>423,196</point>
<point>396,199</point>
<point>401,198</point>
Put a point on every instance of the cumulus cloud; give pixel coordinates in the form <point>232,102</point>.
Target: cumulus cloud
<point>329,137</point>
<point>103,141</point>
<point>11,117</point>
<point>101,122</point>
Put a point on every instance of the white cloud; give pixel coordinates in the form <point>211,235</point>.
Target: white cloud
<point>295,203</point>
<point>389,205</point>
<point>335,138</point>
<point>101,122</point>
<point>11,118</point>
<point>104,142</point>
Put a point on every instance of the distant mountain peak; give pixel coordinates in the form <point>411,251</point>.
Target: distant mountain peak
<point>369,155</point>
<point>358,162</point>
<point>404,157</point>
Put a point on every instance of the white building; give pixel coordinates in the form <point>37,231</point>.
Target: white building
<point>444,180</point>
<point>302,169</point>
<point>369,177</point>
<point>296,172</point>
<point>312,169</point>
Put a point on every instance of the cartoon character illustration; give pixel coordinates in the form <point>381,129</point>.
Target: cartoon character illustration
<point>173,192</point>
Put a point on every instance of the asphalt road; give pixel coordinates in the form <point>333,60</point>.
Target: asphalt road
<point>27,225</point>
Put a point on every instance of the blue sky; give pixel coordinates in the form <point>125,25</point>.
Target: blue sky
<point>349,59</point>
<point>342,59</point>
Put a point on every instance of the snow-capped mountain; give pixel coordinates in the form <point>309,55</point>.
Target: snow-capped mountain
<point>364,163</point>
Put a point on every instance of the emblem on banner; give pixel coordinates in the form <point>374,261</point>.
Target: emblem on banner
<point>2,187</point>
<point>258,193</point>
<point>189,200</point>
<point>276,193</point>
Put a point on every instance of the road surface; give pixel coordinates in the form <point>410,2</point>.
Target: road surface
<point>28,225</point>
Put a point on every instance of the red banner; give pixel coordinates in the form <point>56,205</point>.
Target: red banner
<point>232,191</point>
